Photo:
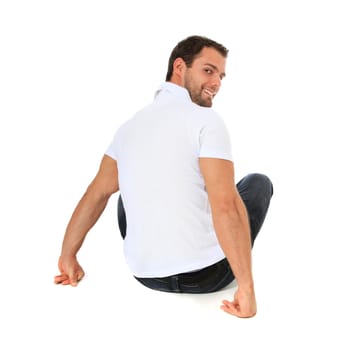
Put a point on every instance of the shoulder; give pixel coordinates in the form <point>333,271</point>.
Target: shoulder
<point>130,121</point>
<point>207,116</point>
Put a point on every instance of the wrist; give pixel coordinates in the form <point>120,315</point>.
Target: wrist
<point>246,286</point>
<point>68,253</point>
<point>69,249</point>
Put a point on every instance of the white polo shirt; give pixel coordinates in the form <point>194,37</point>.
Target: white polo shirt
<point>169,222</point>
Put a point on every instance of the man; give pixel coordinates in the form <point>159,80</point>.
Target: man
<point>183,219</point>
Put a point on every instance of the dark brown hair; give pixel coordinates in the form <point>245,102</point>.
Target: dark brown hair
<point>189,48</point>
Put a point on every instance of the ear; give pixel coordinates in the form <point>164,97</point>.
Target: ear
<point>179,67</point>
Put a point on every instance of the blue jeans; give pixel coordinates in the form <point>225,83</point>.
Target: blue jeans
<point>256,191</point>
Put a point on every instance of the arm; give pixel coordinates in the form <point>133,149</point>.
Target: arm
<point>83,219</point>
<point>232,228</point>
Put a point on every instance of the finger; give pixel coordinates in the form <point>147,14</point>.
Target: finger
<point>231,311</point>
<point>231,308</point>
<point>230,304</point>
<point>234,309</point>
<point>60,278</point>
<point>74,282</point>
<point>69,282</point>
<point>76,278</point>
<point>65,280</point>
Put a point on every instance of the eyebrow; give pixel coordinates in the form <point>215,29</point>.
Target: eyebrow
<point>223,75</point>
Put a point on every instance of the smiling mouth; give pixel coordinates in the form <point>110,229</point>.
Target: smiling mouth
<point>210,93</point>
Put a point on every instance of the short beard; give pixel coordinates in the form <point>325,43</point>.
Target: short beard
<point>200,101</point>
<point>196,97</point>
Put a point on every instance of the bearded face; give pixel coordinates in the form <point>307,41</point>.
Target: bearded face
<point>203,78</point>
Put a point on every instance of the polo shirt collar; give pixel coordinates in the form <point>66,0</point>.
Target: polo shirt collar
<point>174,89</point>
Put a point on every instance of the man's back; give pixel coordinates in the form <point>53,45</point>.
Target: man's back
<point>169,225</point>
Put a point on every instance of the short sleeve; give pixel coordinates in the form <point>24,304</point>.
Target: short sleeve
<point>214,139</point>
<point>112,149</point>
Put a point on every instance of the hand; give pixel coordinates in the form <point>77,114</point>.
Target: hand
<point>70,271</point>
<point>244,304</point>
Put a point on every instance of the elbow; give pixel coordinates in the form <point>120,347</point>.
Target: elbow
<point>227,208</point>
<point>100,193</point>
<point>228,204</point>
<point>224,204</point>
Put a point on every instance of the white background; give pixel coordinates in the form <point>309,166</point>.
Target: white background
<point>72,71</point>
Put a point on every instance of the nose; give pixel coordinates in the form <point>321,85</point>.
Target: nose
<point>216,82</point>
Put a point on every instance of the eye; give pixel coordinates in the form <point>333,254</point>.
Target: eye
<point>208,71</point>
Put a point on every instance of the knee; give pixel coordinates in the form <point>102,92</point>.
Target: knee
<point>261,182</point>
